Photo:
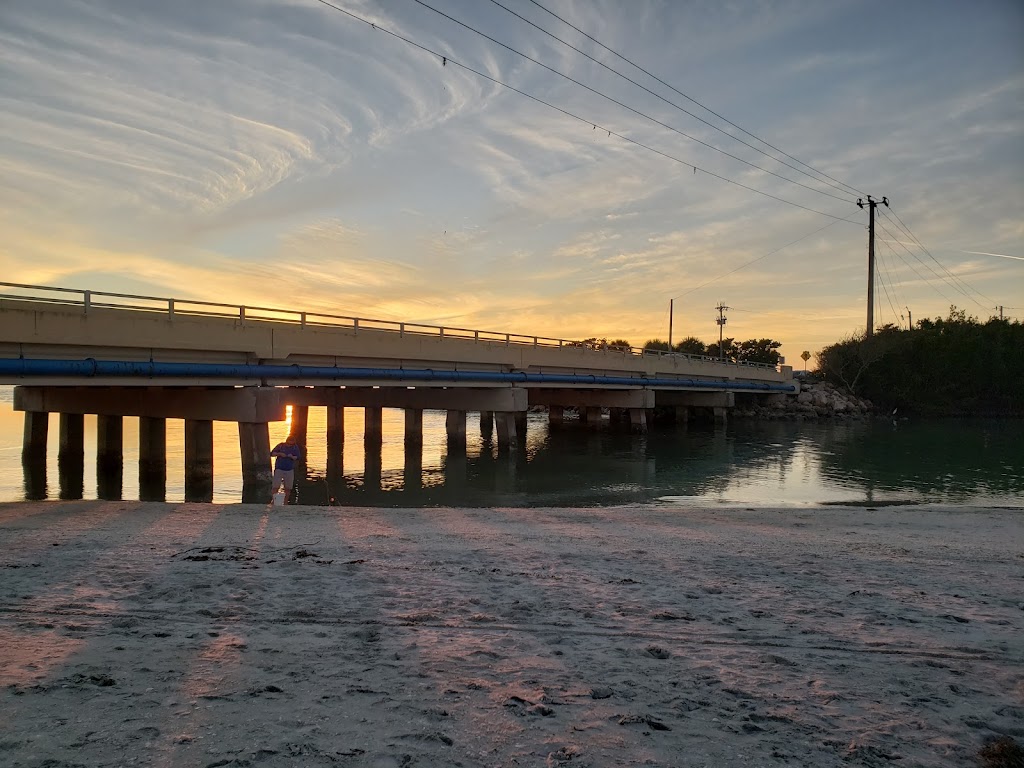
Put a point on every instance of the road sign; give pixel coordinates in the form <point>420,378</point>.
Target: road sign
<point>805,356</point>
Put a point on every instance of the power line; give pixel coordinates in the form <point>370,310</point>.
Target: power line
<point>884,273</point>
<point>667,101</point>
<point>694,101</point>
<point>923,278</point>
<point>927,266</point>
<point>913,237</point>
<point>613,100</point>
<point>448,60</point>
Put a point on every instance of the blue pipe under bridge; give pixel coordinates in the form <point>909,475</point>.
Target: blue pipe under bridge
<point>92,368</point>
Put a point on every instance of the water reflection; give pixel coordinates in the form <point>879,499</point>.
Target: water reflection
<point>756,463</point>
<point>761,463</point>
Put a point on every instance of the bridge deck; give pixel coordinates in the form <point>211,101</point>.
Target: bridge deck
<point>289,345</point>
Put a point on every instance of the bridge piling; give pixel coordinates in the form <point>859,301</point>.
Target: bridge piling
<point>505,421</point>
<point>37,425</point>
<point>109,456</point>
<point>638,420</point>
<point>455,426</point>
<point>254,447</point>
<point>556,415</point>
<point>373,428</point>
<point>152,458</point>
<point>198,460</point>
<point>71,455</point>
<point>335,442</point>
<point>413,428</point>
<point>486,425</point>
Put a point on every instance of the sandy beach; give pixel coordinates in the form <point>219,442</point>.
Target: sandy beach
<point>241,635</point>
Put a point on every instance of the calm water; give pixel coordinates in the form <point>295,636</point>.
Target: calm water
<point>769,463</point>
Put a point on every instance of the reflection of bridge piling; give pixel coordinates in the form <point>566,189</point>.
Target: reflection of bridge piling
<point>502,411</point>
<point>252,408</point>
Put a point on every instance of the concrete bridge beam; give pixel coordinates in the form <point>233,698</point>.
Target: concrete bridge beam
<point>599,398</point>
<point>424,398</point>
<point>248,404</point>
<point>674,398</point>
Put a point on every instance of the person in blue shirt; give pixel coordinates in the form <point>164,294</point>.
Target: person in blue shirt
<point>285,455</point>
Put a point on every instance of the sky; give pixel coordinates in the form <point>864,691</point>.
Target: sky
<point>286,153</point>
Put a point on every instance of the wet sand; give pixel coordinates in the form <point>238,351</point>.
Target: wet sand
<point>241,635</point>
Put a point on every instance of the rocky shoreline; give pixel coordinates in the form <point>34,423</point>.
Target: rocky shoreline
<point>817,400</point>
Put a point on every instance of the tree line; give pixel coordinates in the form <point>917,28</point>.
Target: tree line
<point>750,351</point>
<point>946,366</point>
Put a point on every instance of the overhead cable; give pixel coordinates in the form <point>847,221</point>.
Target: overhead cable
<point>613,100</point>
<point>670,103</point>
<point>448,60</point>
<point>694,101</point>
<point>913,237</point>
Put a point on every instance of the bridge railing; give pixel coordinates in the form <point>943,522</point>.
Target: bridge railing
<point>88,300</point>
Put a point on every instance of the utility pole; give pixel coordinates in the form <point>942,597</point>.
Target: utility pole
<point>1000,311</point>
<point>670,303</point>
<point>721,324</point>
<point>910,320</point>
<point>872,204</point>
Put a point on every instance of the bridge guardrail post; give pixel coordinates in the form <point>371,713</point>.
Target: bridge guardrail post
<point>302,319</point>
<point>170,307</point>
<point>401,330</point>
<point>241,314</point>
<point>441,329</point>
<point>508,339</point>
<point>355,324</point>
<point>86,300</point>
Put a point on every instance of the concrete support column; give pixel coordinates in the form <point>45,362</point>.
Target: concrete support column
<point>486,424</point>
<point>33,446</point>
<point>682,414</point>
<point>335,443</point>
<point>505,422</point>
<point>300,427</point>
<point>720,415</point>
<point>455,426</point>
<point>254,448</point>
<point>521,428</point>
<point>109,456</point>
<point>198,460</point>
<point>33,454</point>
<point>638,420</point>
<point>413,427</point>
<point>71,455</point>
<point>590,415</point>
<point>152,459</point>
<point>556,415</point>
<point>373,429</point>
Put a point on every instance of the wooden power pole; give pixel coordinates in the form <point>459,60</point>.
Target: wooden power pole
<point>872,204</point>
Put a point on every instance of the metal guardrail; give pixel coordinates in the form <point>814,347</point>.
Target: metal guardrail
<point>88,299</point>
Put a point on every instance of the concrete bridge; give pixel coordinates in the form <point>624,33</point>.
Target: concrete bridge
<point>78,352</point>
